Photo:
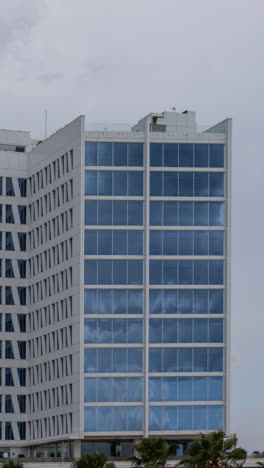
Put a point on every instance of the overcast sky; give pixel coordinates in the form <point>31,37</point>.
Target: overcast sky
<point>117,60</point>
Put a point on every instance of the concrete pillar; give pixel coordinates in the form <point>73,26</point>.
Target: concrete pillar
<point>76,448</point>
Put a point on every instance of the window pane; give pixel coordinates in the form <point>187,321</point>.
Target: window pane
<point>120,212</point>
<point>156,150</point>
<point>171,155</point>
<point>171,184</point>
<point>105,275</point>
<point>91,212</point>
<point>170,243</point>
<point>156,185</point>
<point>90,183</point>
<point>170,272</point>
<point>216,152</point>
<point>135,242</point>
<point>216,184</point>
<point>170,301</point>
<point>170,213</point>
<point>185,330</point>
<point>135,271</point>
<point>185,213</point>
<point>199,418</point>
<point>185,418</point>
<point>135,301</point>
<point>185,275</point>
<point>216,214</point>
<point>201,215</point>
<point>216,331</point>
<point>120,154</point>
<point>104,183</point>
<point>201,188</point>
<point>185,388</point>
<point>155,301</point>
<point>186,242</point>
<point>104,301</point>
<point>119,272</point>
<point>201,155</point>
<point>155,360</point>
<point>90,153</point>
<point>201,242</point>
<point>104,154</point>
<point>135,213</point>
<point>216,243</point>
<point>119,242</point>
<point>186,155</point>
<point>200,301</point>
<point>90,272</point>
<point>155,331</point>
<point>119,183</point>
<point>170,389</point>
<point>135,183</point>
<point>156,213</point>
<point>185,184</point>
<point>90,242</point>
<point>200,331</point>
<point>216,272</point>
<point>135,154</point>
<point>216,301</point>
<point>119,301</point>
<point>105,212</point>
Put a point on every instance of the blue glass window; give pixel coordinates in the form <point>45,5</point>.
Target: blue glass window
<point>118,212</point>
<point>104,154</point>
<point>21,425</point>
<point>185,242</point>
<point>90,153</point>
<point>216,155</point>
<point>9,404</point>
<point>171,158</point>
<point>170,187</point>
<point>156,154</point>
<point>105,360</point>
<point>170,242</point>
<point>185,184</point>
<point>114,183</point>
<point>215,388</point>
<point>22,268</point>
<point>216,243</point>
<point>200,301</point>
<point>201,242</point>
<point>9,350</point>
<point>185,214</point>
<point>22,376</point>
<point>184,417</point>
<point>216,184</point>
<point>104,183</point>
<point>201,214</point>
<point>156,184</point>
<point>170,301</point>
<point>91,212</point>
<point>135,154</point>
<point>201,187</point>
<point>215,418</point>
<point>156,208</point>
<point>155,418</point>
<point>170,213</point>
<point>22,403</point>
<point>186,155</point>
<point>106,389</point>
<point>9,382</point>
<point>201,155</point>
<point>22,322</point>
<point>103,419</point>
<point>120,154</point>
<point>216,301</point>
<point>216,214</point>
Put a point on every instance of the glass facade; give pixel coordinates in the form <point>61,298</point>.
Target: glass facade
<point>154,295</point>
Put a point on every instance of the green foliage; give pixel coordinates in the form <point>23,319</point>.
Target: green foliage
<point>153,453</point>
<point>214,450</point>
<point>11,464</point>
<point>93,460</point>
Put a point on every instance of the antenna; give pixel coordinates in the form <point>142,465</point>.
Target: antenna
<point>46,123</point>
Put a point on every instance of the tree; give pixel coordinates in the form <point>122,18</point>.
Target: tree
<point>93,460</point>
<point>11,464</point>
<point>214,450</point>
<point>153,453</point>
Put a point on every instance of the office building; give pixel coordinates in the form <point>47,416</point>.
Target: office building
<point>115,285</point>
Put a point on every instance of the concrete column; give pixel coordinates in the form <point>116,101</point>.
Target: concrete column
<point>76,448</point>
